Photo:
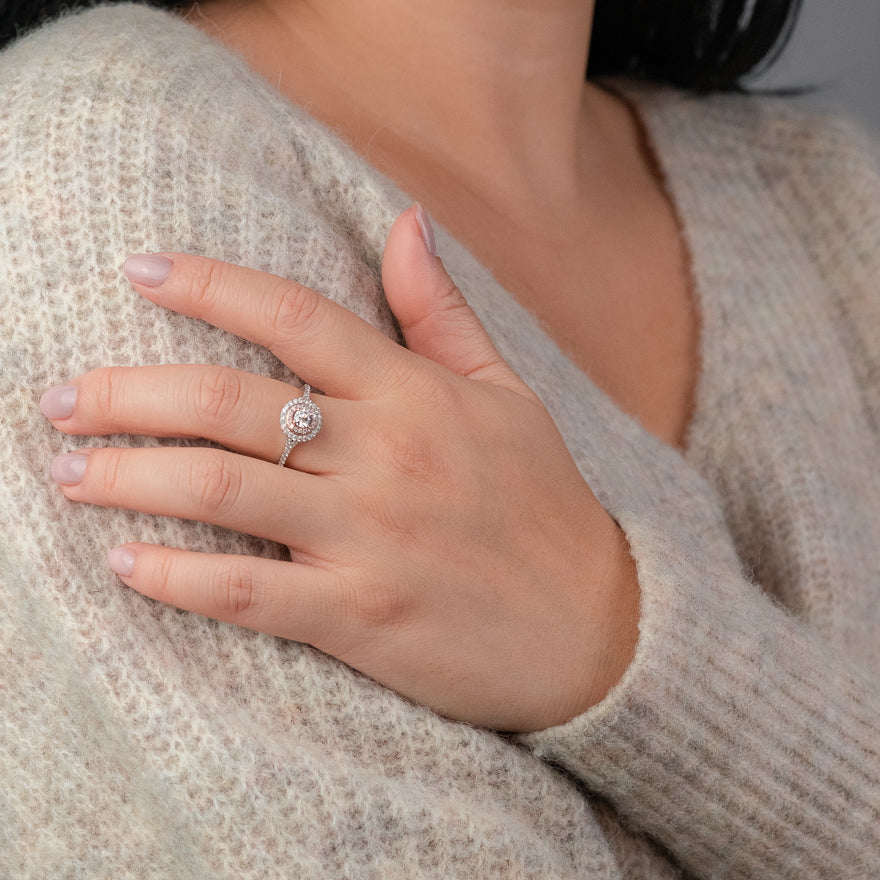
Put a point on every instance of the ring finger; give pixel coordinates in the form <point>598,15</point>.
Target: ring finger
<point>235,409</point>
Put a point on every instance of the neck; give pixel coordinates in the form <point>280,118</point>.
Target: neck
<point>430,89</point>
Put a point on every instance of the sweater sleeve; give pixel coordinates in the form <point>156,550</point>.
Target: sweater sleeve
<point>745,736</point>
<point>737,738</point>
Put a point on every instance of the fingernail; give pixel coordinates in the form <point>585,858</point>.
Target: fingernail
<point>58,402</point>
<point>69,469</point>
<point>121,560</point>
<point>427,228</point>
<point>150,270</point>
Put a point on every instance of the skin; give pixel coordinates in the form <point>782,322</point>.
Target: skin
<point>429,592</point>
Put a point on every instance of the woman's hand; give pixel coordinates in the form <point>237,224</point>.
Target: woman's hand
<point>442,539</point>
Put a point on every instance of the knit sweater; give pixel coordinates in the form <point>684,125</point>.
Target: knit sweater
<point>137,740</point>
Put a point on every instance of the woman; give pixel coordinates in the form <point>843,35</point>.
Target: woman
<point>604,578</point>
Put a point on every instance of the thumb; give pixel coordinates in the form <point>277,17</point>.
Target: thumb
<point>436,321</point>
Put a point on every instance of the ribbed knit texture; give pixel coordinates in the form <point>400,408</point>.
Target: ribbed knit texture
<point>140,741</point>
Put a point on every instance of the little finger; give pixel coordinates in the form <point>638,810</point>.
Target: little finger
<point>286,599</point>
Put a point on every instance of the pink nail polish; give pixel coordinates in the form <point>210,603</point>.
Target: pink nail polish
<point>69,469</point>
<point>151,270</point>
<point>58,402</point>
<point>121,561</point>
<point>427,229</point>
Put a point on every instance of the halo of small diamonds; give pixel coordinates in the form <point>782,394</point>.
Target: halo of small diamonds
<point>300,421</point>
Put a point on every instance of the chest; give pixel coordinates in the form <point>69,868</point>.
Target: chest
<point>634,333</point>
<point>621,306</point>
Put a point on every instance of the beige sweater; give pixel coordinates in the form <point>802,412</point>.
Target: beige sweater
<point>140,741</point>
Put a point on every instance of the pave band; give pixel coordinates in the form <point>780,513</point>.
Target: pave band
<point>300,421</point>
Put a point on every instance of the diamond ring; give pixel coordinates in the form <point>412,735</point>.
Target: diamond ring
<point>300,421</point>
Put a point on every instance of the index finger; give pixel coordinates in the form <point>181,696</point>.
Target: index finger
<point>322,342</point>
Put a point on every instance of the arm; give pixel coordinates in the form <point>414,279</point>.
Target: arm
<point>737,739</point>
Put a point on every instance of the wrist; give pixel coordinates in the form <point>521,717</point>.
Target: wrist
<point>613,624</point>
<point>621,620</point>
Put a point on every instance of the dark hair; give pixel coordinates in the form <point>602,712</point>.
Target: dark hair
<point>702,45</point>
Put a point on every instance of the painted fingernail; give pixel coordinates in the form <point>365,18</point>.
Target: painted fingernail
<point>150,270</point>
<point>427,228</point>
<point>121,560</point>
<point>58,402</point>
<point>69,469</point>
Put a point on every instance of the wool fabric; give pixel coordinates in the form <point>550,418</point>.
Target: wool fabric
<point>140,741</point>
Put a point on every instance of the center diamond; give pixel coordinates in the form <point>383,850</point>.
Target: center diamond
<point>302,421</point>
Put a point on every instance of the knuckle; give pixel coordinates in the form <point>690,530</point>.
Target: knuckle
<point>214,483</point>
<point>164,578</point>
<point>292,307</point>
<point>110,471</point>
<point>206,285</point>
<point>106,392</point>
<point>359,615</point>
<point>218,395</point>
<point>421,450</point>
<point>376,605</point>
<point>410,453</point>
<point>233,590</point>
<point>447,299</point>
<point>451,297</point>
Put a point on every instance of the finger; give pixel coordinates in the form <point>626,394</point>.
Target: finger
<point>283,599</point>
<point>327,345</point>
<point>212,486</point>
<point>235,409</point>
<point>436,320</point>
